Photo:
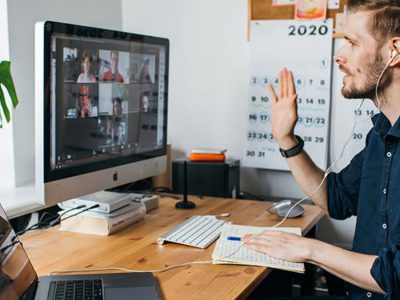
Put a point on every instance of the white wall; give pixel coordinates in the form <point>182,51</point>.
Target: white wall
<point>208,67</point>
<point>22,15</point>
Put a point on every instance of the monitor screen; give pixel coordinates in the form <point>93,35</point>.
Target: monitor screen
<point>101,105</point>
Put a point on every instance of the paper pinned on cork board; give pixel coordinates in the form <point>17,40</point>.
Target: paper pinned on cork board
<point>310,9</point>
<point>283,2</point>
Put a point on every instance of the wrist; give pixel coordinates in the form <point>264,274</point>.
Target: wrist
<point>310,250</point>
<point>294,150</point>
<point>316,250</point>
<point>287,142</point>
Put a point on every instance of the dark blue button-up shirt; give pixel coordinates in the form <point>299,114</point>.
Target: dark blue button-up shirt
<point>369,188</point>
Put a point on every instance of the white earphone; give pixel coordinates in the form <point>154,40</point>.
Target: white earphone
<point>392,56</point>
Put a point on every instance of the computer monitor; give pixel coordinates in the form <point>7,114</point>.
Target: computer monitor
<point>101,109</point>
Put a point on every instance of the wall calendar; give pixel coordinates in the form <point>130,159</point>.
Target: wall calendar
<point>305,48</point>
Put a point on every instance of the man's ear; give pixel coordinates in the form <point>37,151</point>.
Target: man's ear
<point>395,42</point>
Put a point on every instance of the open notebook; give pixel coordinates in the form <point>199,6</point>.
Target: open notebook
<point>226,251</point>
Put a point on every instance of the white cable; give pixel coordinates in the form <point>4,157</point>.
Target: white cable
<point>379,80</point>
<point>223,215</point>
<point>130,270</point>
<point>329,169</point>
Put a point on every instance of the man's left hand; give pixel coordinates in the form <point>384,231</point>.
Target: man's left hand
<point>278,244</point>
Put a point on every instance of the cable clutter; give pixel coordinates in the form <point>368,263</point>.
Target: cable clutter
<point>48,220</point>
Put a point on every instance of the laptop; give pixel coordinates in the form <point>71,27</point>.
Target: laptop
<point>18,279</point>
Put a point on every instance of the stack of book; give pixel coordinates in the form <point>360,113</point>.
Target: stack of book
<point>102,223</point>
<point>207,155</point>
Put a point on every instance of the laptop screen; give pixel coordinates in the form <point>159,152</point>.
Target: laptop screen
<point>17,276</point>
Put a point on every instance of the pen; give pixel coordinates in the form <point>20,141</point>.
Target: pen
<point>233,238</point>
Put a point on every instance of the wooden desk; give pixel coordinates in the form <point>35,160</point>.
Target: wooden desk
<point>136,248</point>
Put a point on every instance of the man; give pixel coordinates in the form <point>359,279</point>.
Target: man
<point>117,106</point>
<point>144,102</point>
<point>113,73</point>
<point>369,186</point>
<point>84,107</point>
<point>116,123</point>
<point>145,73</point>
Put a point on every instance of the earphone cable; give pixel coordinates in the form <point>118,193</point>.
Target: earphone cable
<point>328,170</point>
<point>378,104</point>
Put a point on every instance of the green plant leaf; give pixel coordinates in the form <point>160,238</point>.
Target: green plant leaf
<point>7,81</point>
<point>6,112</point>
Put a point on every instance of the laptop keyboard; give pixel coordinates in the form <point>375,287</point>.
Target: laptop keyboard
<point>76,290</point>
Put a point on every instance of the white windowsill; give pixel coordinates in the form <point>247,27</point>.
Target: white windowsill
<point>19,201</point>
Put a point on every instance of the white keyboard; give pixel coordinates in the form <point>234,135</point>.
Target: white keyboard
<point>197,231</point>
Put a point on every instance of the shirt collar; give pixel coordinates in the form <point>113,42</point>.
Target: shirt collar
<point>382,126</point>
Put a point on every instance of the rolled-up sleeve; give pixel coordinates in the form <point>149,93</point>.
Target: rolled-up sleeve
<point>386,269</point>
<point>343,189</point>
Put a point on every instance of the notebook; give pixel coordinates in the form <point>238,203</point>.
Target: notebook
<point>18,279</point>
<point>232,252</point>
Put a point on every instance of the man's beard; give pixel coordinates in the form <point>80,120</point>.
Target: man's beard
<point>372,71</point>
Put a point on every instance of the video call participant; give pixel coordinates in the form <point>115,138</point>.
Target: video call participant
<point>144,102</point>
<point>119,136</point>
<point>369,186</point>
<point>117,107</point>
<point>115,123</point>
<point>113,73</point>
<point>145,72</point>
<point>86,76</point>
<point>84,102</point>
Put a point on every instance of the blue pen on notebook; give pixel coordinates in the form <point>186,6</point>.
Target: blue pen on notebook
<point>234,238</point>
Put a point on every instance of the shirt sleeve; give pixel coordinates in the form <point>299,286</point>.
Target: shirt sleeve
<point>343,189</point>
<point>386,269</point>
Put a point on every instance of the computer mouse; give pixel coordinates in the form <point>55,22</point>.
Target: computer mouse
<point>281,208</point>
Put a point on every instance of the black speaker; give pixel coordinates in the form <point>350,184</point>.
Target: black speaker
<point>218,179</point>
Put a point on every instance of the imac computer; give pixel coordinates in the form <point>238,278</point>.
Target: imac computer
<point>101,109</point>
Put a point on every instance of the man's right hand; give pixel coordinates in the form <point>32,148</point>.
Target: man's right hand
<point>284,110</point>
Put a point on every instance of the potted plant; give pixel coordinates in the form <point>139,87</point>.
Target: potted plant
<point>7,81</point>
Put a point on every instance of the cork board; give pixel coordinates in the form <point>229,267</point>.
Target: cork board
<point>263,10</point>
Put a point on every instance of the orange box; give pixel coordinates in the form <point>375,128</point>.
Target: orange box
<point>206,157</point>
